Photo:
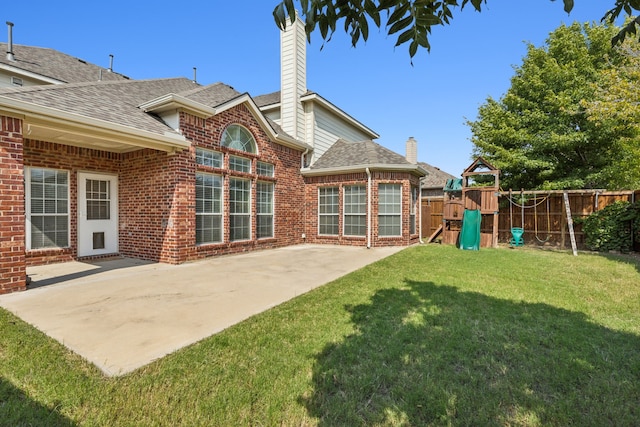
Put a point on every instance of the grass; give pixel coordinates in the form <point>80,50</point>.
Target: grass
<point>430,336</point>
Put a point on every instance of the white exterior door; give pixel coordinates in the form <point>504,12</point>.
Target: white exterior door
<point>97,214</point>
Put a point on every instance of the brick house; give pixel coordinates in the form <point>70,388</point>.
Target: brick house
<point>94,164</point>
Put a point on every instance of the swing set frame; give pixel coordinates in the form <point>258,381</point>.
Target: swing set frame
<point>517,233</point>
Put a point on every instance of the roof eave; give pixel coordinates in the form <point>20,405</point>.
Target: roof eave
<point>37,114</point>
<point>29,74</point>
<point>173,101</point>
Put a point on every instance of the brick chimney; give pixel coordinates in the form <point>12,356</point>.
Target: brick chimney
<point>412,150</point>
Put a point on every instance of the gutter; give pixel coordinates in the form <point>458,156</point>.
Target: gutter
<point>78,124</point>
<point>413,169</point>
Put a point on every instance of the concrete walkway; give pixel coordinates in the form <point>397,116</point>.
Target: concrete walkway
<point>122,314</point>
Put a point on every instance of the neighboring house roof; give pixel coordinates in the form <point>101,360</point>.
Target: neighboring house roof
<point>51,64</point>
<point>345,157</point>
<point>435,178</point>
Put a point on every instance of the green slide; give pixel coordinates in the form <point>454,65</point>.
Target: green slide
<point>470,233</point>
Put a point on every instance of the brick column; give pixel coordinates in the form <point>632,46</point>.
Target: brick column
<point>12,215</point>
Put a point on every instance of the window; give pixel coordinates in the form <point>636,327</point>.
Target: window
<point>239,164</point>
<point>208,158</point>
<point>47,208</point>
<point>389,210</point>
<point>264,210</point>
<point>239,209</point>
<point>414,203</point>
<point>98,195</point>
<point>238,138</point>
<point>355,210</point>
<point>208,208</point>
<point>265,169</point>
<point>328,210</point>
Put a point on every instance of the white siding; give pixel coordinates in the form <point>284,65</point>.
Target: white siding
<point>293,82</point>
<point>5,80</point>
<point>328,128</point>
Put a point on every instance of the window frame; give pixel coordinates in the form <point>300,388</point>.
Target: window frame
<point>267,214</point>
<point>235,215</point>
<point>238,137</point>
<point>216,156</point>
<point>348,213</point>
<point>386,214</point>
<point>265,169</point>
<point>239,164</point>
<point>212,214</point>
<point>323,215</point>
<point>29,215</point>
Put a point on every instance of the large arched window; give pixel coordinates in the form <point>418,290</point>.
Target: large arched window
<point>238,138</point>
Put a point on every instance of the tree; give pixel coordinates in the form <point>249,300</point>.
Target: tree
<point>616,109</point>
<point>546,132</point>
<point>411,20</point>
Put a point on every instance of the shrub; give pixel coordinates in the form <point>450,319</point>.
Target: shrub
<point>611,229</point>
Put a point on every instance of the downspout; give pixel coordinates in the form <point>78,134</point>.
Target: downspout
<point>302,156</point>
<point>419,208</point>
<point>368,208</point>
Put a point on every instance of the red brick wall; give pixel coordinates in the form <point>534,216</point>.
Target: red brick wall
<point>154,197</point>
<point>12,227</point>
<point>311,199</point>
<point>288,183</point>
<point>50,155</point>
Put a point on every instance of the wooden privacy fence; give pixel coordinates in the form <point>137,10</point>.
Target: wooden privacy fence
<point>543,216</point>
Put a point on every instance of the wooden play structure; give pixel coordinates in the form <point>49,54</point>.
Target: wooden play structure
<point>470,217</point>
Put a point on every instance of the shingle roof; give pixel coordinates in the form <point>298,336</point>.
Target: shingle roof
<point>436,177</point>
<point>56,65</point>
<point>344,154</point>
<point>115,102</point>
<point>268,99</point>
<point>211,95</point>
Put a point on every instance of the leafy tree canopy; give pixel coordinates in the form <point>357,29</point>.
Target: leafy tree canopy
<point>410,20</point>
<point>560,124</point>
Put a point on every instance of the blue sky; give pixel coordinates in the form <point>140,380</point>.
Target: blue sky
<point>238,43</point>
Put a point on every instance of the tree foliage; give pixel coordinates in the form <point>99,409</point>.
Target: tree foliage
<point>611,229</point>
<point>616,109</point>
<point>548,131</point>
<point>410,20</point>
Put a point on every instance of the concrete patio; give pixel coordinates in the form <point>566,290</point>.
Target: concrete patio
<point>121,314</point>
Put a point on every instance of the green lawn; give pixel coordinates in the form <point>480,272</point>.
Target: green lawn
<point>430,336</point>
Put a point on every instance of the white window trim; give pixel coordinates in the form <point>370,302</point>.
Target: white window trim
<point>337,214</point>
<point>390,215</point>
<point>345,214</point>
<point>221,214</point>
<point>206,150</point>
<point>272,213</point>
<point>231,214</point>
<point>28,224</point>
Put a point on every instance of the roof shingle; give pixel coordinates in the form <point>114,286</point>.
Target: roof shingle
<point>344,154</point>
<point>56,65</point>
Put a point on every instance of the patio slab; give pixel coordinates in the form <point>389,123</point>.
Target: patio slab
<point>121,314</point>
